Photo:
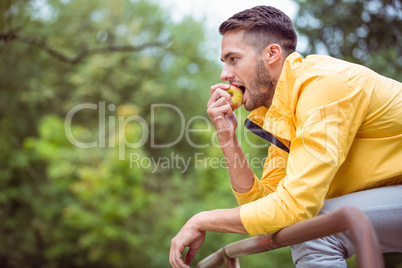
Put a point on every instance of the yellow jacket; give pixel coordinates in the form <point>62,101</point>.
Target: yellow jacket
<point>335,128</point>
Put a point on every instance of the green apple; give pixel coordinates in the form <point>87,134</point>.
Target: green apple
<point>237,96</point>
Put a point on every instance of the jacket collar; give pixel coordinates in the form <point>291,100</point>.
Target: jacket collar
<point>279,119</point>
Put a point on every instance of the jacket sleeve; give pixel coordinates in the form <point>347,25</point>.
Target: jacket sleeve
<point>274,171</point>
<point>327,115</point>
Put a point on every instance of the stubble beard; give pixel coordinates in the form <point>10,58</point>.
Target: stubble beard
<point>262,87</point>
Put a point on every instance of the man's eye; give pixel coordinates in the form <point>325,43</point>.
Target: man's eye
<point>233,59</point>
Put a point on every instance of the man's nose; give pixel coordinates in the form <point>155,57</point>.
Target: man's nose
<point>227,75</point>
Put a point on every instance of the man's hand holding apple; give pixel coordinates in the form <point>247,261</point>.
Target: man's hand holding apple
<point>224,99</point>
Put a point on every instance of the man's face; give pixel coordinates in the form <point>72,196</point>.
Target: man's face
<point>246,69</point>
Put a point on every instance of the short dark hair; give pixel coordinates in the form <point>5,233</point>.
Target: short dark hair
<point>262,26</point>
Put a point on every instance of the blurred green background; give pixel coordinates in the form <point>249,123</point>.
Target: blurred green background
<point>130,83</point>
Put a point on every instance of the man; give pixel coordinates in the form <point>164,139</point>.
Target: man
<point>336,125</point>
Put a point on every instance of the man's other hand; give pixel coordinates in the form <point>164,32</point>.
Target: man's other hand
<point>189,236</point>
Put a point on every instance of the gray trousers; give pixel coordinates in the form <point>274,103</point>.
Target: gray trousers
<point>383,207</point>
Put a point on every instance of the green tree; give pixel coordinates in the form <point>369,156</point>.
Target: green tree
<point>63,206</point>
<point>365,32</point>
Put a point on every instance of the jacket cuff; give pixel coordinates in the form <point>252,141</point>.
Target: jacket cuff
<point>256,192</point>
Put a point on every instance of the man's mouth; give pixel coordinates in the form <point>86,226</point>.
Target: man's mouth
<point>243,88</point>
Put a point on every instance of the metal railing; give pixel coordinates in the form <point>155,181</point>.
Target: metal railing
<point>361,231</point>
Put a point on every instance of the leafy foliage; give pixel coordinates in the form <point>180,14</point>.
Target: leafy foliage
<point>122,80</point>
<point>365,32</point>
<point>65,206</point>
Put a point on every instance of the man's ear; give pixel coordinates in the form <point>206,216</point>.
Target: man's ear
<point>272,53</point>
